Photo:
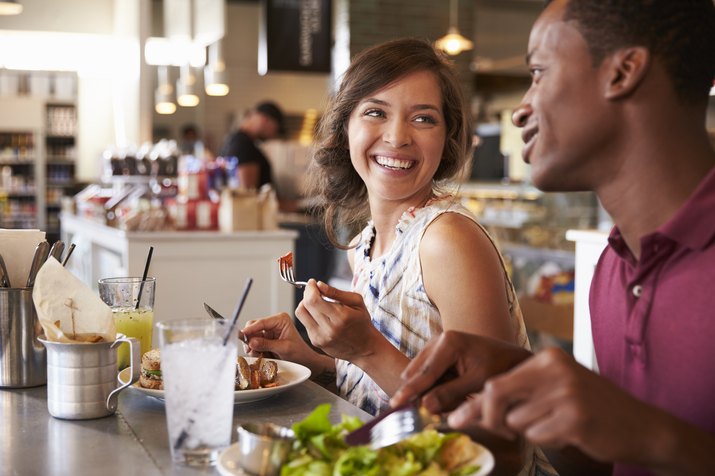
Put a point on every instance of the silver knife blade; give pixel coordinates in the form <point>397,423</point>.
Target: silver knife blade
<point>4,277</point>
<point>56,251</point>
<point>212,312</point>
<point>41,252</point>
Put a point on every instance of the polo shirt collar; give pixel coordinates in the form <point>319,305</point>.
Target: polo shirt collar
<point>693,225</point>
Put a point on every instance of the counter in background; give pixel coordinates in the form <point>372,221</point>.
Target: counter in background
<point>190,267</point>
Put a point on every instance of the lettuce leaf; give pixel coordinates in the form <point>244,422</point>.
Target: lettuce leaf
<point>320,450</point>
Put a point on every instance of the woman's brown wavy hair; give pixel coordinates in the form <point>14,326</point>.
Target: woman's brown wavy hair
<point>339,191</point>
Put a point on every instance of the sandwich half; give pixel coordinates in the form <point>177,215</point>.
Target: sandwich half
<point>151,370</point>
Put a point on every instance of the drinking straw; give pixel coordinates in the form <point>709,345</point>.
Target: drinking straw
<point>69,253</point>
<point>146,271</point>
<point>237,311</point>
<point>184,432</point>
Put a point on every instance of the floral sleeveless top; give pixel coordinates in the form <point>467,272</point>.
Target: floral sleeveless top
<point>394,294</point>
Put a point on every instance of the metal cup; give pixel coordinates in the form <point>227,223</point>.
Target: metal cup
<point>82,378</point>
<point>264,447</point>
<point>23,361</point>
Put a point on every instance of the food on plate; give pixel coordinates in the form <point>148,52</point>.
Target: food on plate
<point>320,449</point>
<point>260,374</point>
<point>151,370</point>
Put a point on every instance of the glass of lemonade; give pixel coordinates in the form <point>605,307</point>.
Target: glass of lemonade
<point>132,320</point>
<point>198,367</point>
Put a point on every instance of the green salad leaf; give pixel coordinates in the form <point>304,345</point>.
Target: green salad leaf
<point>320,450</point>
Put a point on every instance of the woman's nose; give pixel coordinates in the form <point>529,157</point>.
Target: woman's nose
<point>521,115</point>
<point>397,134</point>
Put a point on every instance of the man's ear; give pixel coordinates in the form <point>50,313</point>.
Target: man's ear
<point>626,69</point>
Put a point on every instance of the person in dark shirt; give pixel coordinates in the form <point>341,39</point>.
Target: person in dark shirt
<point>265,121</point>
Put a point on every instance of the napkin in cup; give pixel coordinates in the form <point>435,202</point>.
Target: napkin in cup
<point>17,248</point>
<point>69,311</point>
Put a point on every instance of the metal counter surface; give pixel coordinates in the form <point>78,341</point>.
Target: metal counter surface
<point>134,440</point>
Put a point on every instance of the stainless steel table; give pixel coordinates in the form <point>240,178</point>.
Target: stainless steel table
<point>133,441</point>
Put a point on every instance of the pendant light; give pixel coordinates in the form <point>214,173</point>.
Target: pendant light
<point>10,7</point>
<point>163,98</point>
<point>453,42</point>
<point>215,76</point>
<point>186,87</point>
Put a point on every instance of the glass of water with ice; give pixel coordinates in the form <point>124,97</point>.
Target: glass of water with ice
<point>199,373</point>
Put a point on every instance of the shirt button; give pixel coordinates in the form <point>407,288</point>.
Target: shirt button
<point>637,290</point>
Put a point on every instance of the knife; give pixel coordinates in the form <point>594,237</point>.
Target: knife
<point>41,253</point>
<point>212,312</point>
<point>363,435</point>
<point>56,251</point>
<point>4,277</point>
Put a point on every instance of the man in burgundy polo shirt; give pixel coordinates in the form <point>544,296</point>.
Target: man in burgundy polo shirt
<point>617,105</point>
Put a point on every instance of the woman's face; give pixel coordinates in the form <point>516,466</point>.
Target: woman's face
<point>396,137</point>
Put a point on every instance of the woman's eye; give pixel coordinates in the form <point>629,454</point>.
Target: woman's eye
<point>374,113</point>
<point>535,73</point>
<point>426,119</point>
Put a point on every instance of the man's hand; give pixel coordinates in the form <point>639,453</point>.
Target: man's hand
<point>472,358</point>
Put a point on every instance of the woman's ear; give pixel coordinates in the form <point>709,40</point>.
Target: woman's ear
<point>626,69</point>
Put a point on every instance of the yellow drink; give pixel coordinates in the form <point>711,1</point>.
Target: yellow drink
<point>137,323</point>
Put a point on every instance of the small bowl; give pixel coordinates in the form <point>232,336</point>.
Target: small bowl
<point>264,447</point>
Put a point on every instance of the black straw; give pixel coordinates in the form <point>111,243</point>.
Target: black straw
<point>69,253</point>
<point>146,271</point>
<point>237,311</point>
<point>184,432</point>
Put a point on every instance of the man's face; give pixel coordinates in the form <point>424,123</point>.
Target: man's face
<point>564,112</point>
<point>268,127</point>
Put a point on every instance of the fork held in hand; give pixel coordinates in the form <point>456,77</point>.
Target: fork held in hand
<point>285,267</point>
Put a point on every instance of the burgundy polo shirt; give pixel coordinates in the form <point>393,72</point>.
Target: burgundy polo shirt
<point>653,320</point>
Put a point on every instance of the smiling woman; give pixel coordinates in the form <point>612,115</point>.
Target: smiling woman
<point>393,134</point>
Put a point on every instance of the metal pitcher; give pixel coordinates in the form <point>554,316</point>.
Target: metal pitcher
<point>23,360</point>
<point>82,378</point>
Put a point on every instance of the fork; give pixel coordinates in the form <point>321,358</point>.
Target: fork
<point>403,423</point>
<point>285,268</point>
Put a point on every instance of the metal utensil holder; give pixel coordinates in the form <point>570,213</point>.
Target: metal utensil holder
<point>23,359</point>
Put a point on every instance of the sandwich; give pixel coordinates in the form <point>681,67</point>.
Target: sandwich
<point>151,370</point>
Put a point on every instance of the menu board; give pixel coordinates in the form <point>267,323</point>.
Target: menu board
<point>295,35</point>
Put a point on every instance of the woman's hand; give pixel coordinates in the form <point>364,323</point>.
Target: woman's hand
<point>277,334</point>
<point>342,329</point>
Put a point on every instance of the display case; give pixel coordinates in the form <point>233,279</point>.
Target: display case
<point>530,227</point>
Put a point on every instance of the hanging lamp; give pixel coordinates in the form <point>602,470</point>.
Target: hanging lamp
<point>186,87</point>
<point>10,7</point>
<point>453,42</point>
<point>215,76</point>
<point>163,97</point>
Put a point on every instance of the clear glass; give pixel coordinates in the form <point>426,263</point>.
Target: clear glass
<point>199,372</point>
<point>121,295</point>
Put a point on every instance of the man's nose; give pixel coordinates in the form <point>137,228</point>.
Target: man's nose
<point>521,115</point>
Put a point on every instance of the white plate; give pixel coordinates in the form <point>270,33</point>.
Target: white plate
<point>229,461</point>
<point>290,374</point>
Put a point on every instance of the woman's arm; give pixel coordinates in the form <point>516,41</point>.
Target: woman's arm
<point>464,278</point>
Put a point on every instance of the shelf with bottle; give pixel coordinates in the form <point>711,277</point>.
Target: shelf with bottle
<point>17,147</point>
